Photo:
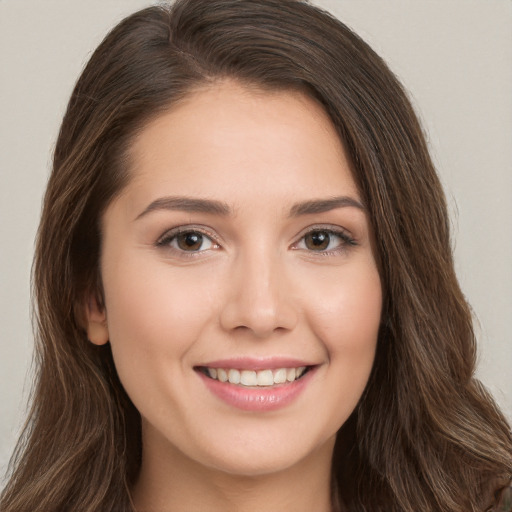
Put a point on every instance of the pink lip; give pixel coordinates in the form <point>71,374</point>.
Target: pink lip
<point>257,399</point>
<point>256,364</point>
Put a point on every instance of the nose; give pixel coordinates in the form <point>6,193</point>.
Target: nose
<point>260,300</point>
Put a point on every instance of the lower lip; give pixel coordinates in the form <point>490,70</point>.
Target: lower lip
<point>260,399</point>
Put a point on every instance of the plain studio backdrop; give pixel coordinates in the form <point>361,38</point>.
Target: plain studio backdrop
<point>453,56</point>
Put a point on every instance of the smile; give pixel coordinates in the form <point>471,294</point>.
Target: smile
<point>260,389</point>
<point>251,378</point>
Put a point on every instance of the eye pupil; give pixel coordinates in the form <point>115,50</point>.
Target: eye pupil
<point>190,241</point>
<point>317,240</point>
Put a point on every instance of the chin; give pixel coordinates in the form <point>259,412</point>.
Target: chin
<point>257,458</point>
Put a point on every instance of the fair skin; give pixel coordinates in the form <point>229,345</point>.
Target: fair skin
<point>240,244</point>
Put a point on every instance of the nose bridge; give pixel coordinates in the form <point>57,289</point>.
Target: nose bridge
<point>259,300</point>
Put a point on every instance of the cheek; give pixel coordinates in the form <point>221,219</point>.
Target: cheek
<point>347,309</point>
<point>154,315</point>
<point>347,319</point>
<point>344,314</point>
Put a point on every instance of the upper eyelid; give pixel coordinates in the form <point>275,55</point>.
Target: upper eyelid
<point>164,242</point>
<point>344,234</point>
<point>204,230</point>
<point>331,228</point>
<point>172,232</point>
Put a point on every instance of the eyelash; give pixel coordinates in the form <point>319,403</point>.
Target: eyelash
<point>346,240</point>
<point>169,237</point>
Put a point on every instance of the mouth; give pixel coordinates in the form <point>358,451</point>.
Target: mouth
<point>265,378</point>
<point>257,385</point>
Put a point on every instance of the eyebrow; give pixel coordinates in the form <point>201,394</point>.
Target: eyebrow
<point>324,205</point>
<point>187,204</point>
<point>214,207</point>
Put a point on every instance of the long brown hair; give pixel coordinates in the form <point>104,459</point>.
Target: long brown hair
<point>425,435</point>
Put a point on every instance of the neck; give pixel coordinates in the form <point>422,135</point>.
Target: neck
<point>174,482</point>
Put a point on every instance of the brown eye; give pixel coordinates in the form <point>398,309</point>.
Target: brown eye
<point>317,240</point>
<point>189,241</point>
<point>186,241</point>
<point>325,241</point>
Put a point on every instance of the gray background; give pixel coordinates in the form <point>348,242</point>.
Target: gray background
<point>455,58</point>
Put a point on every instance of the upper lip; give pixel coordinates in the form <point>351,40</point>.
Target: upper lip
<point>251,363</point>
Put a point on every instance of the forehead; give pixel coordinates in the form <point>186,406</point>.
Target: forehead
<point>230,139</point>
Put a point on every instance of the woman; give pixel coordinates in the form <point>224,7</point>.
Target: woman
<point>246,295</point>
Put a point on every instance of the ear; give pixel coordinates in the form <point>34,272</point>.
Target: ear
<point>96,322</point>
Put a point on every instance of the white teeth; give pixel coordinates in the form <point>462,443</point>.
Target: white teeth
<point>248,378</point>
<point>280,376</point>
<point>256,378</point>
<point>265,378</point>
<point>234,376</point>
<point>290,374</point>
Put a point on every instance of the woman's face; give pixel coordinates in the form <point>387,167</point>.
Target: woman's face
<point>240,250</point>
